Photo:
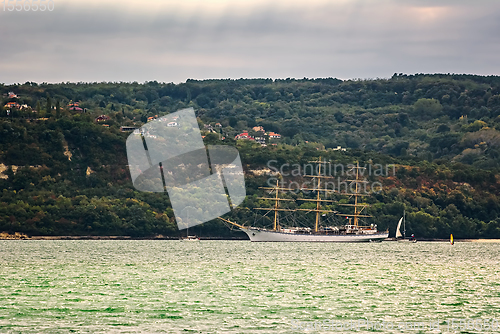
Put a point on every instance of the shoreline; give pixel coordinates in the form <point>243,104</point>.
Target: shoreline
<point>22,236</point>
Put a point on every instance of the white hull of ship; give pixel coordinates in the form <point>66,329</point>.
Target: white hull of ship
<point>261,235</point>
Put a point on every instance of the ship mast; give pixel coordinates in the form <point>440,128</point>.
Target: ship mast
<point>276,208</point>
<point>318,199</point>
<point>356,196</point>
<point>276,225</point>
<point>358,207</point>
<point>357,212</point>
<point>404,224</point>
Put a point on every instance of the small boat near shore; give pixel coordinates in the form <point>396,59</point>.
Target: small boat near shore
<point>402,237</point>
<point>190,238</point>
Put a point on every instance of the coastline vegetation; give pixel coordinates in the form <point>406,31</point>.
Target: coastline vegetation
<point>64,171</point>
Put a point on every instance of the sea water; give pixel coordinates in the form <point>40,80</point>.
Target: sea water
<point>155,286</point>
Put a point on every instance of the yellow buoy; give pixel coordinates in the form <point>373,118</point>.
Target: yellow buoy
<point>451,239</point>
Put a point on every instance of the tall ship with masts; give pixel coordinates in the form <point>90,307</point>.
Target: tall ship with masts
<point>353,231</point>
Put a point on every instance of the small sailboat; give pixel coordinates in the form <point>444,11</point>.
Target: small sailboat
<point>398,229</point>
<point>451,239</point>
<point>402,237</point>
<point>190,237</point>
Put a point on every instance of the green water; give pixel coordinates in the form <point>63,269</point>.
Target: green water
<point>242,287</point>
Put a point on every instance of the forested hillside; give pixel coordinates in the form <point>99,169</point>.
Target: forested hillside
<point>65,169</point>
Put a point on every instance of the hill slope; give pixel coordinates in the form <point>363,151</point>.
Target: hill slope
<point>65,173</point>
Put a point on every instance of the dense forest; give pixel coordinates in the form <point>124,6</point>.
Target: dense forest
<point>64,165</point>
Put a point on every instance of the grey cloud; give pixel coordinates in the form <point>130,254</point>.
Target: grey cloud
<point>355,39</point>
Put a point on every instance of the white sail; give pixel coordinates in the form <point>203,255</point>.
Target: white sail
<point>398,232</point>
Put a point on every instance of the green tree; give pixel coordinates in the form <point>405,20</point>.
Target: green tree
<point>58,109</point>
<point>428,107</point>
<point>48,106</point>
<point>38,107</point>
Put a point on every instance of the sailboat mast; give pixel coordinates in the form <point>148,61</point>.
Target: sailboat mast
<point>356,197</point>
<point>276,226</point>
<point>317,197</point>
<point>404,224</point>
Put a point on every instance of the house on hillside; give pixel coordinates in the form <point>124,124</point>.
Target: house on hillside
<point>244,135</point>
<point>12,95</point>
<point>258,129</point>
<point>75,106</point>
<point>260,140</point>
<point>339,148</point>
<point>102,118</point>
<point>273,135</point>
<point>12,105</point>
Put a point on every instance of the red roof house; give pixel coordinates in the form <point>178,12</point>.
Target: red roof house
<point>244,135</point>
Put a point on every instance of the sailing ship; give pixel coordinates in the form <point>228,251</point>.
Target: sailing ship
<point>350,232</point>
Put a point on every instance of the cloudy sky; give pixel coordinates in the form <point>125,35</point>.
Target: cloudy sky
<point>173,40</point>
